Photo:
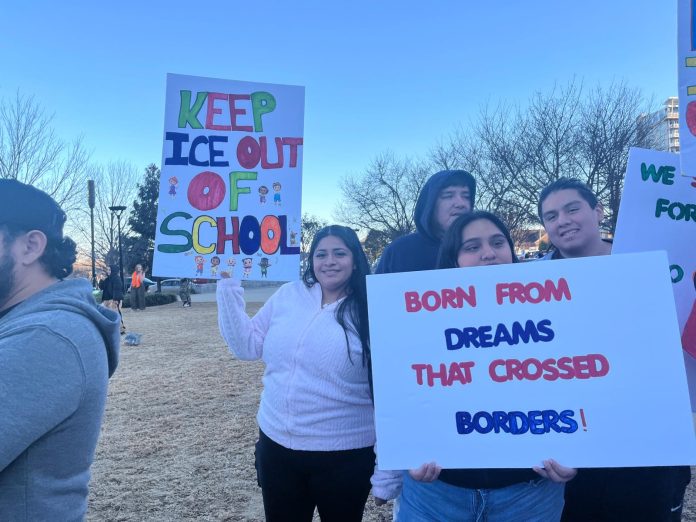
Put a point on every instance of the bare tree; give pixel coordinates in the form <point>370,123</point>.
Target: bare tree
<point>384,196</point>
<point>31,152</point>
<point>513,152</point>
<point>115,184</point>
<point>310,226</point>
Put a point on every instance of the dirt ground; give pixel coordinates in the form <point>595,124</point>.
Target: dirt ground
<point>179,430</point>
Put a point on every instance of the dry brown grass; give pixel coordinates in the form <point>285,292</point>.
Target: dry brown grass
<point>179,431</point>
<point>180,426</point>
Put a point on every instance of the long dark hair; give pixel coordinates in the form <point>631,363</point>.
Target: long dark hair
<point>351,314</point>
<point>452,242</point>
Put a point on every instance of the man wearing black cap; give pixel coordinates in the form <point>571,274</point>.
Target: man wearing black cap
<point>57,352</point>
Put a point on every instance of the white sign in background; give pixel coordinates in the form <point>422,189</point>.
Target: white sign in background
<point>686,37</point>
<point>253,134</point>
<point>636,415</point>
<point>658,211</point>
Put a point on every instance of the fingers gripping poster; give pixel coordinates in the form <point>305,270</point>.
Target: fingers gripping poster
<point>504,366</point>
<point>231,180</point>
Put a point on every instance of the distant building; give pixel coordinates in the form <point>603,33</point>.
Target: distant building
<point>662,127</point>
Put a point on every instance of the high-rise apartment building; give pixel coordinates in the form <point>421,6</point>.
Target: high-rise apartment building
<point>663,126</point>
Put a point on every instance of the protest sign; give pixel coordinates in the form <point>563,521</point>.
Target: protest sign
<point>231,180</point>
<point>686,37</point>
<point>504,366</point>
<point>658,211</point>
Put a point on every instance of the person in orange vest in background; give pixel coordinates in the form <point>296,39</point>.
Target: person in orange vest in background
<point>138,288</point>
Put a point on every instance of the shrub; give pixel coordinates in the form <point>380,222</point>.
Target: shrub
<point>151,299</point>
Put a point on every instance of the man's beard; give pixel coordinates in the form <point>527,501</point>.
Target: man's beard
<point>7,279</point>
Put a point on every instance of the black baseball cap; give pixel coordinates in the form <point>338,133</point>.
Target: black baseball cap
<point>29,208</point>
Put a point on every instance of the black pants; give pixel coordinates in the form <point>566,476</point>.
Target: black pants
<point>635,494</point>
<point>294,482</point>
<point>138,298</point>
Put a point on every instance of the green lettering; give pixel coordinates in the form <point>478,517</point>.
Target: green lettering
<point>665,173</point>
<point>235,191</point>
<point>261,103</point>
<point>187,114</point>
<point>164,228</point>
<point>679,273</point>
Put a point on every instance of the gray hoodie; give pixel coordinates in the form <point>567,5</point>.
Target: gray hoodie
<point>57,352</point>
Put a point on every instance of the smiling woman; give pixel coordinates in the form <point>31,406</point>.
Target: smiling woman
<point>313,338</point>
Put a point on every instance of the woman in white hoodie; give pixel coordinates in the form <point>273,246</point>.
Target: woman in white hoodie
<point>316,424</point>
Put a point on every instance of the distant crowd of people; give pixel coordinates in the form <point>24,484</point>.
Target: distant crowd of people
<point>316,440</point>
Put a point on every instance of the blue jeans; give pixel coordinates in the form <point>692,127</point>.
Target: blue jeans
<point>532,501</point>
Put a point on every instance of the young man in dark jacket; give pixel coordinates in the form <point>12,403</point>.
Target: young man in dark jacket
<point>571,215</point>
<point>57,352</point>
<point>445,196</point>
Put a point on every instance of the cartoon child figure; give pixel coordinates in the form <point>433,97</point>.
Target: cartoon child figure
<point>293,237</point>
<point>214,263</point>
<point>231,262</point>
<point>263,191</point>
<point>173,182</point>
<point>264,264</point>
<point>276,190</point>
<point>247,263</point>
<point>200,261</point>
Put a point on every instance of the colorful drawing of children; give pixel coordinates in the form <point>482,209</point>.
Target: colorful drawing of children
<point>231,262</point>
<point>276,196</point>
<point>263,191</point>
<point>214,263</point>
<point>264,264</point>
<point>200,261</point>
<point>247,264</point>
<point>173,182</point>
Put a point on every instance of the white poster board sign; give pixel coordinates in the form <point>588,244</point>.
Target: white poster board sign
<point>231,180</point>
<point>686,37</point>
<point>658,211</point>
<point>505,366</point>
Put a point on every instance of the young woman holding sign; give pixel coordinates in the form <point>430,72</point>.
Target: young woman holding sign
<point>316,419</point>
<point>429,493</point>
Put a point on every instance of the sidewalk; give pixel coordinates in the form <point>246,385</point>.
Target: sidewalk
<point>251,295</point>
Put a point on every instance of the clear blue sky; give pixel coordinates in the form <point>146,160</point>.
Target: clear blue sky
<point>379,75</point>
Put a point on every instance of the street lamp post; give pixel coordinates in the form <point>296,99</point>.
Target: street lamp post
<point>118,210</point>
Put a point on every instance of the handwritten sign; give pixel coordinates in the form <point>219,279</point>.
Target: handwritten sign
<point>658,211</point>
<point>504,366</point>
<point>231,182</point>
<point>686,38</point>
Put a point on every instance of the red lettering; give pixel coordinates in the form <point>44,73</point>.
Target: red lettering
<point>223,237</point>
<point>206,190</point>
<point>558,292</point>
<point>446,298</point>
<point>577,367</point>
<point>412,302</point>
<point>234,112</point>
<point>532,292</point>
<point>248,152</point>
<point>436,300</point>
<point>264,153</point>
<point>212,111</point>
<point>293,143</point>
<point>419,372</point>
<point>494,375</point>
